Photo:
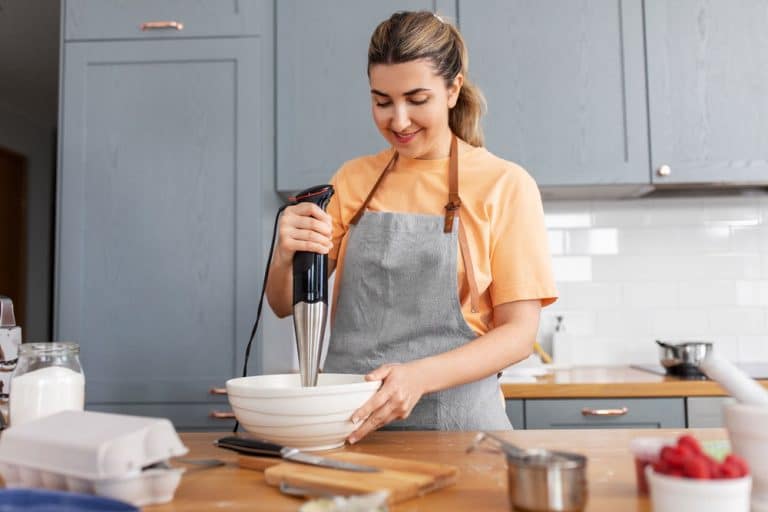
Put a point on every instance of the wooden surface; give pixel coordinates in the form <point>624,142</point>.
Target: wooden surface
<point>481,484</point>
<point>610,381</point>
<point>403,478</point>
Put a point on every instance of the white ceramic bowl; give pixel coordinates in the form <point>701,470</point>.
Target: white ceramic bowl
<point>748,431</point>
<point>678,494</point>
<point>278,409</point>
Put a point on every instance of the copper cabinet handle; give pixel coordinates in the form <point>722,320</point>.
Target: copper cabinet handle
<point>222,415</point>
<point>604,412</point>
<point>154,25</point>
<point>218,391</point>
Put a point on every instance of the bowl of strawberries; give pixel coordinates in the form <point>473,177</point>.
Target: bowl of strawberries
<point>684,477</point>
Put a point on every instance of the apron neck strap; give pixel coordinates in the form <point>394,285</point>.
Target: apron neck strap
<point>360,212</point>
<point>454,202</point>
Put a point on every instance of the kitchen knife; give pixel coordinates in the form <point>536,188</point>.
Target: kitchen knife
<point>256,447</point>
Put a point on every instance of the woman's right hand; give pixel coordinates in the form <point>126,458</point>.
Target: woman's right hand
<point>303,227</point>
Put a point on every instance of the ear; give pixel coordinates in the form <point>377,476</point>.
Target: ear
<point>454,89</point>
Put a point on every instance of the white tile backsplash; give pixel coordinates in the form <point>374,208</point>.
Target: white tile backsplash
<point>632,271</point>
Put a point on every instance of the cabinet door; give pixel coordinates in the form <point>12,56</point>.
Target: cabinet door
<point>565,85</point>
<point>706,411</point>
<point>118,19</point>
<point>605,413</point>
<point>707,83</point>
<point>516,413</point>
<point>159,226</point>
<point>323,97</point>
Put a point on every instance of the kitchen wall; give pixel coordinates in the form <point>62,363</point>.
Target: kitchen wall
<point>632,271</point>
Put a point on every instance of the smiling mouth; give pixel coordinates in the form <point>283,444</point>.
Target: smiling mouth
<point>405,137</point>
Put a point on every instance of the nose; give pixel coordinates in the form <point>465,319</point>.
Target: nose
<point>400,119</point>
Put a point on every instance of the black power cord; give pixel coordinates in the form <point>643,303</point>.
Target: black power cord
<point>261,300</point>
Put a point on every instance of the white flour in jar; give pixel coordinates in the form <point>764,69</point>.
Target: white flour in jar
<point>45,391</point>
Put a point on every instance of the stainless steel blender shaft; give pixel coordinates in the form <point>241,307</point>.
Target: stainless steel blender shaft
<point>309,326</point>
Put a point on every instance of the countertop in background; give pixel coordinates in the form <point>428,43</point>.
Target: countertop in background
<point>607,382</point>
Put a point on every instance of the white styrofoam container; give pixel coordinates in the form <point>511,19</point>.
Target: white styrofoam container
<point>93,452</point>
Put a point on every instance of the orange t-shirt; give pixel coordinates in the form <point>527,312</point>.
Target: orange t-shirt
<point>500,209</point>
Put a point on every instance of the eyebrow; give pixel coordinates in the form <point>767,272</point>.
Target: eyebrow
<point>407,93</point>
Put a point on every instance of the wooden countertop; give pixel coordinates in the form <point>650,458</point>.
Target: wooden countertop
<point>481,485</point>
<point>610,381</point>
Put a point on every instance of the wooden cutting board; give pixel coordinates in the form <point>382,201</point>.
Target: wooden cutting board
<point>403,478</point>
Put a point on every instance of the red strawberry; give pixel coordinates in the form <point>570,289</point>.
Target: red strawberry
<point>739,462</point>
<point>690,442</point>
<point>714,466</point>
<point>729,470</point>
<point>661,467</point>
<point>697,467</point>
<point>673,456</point>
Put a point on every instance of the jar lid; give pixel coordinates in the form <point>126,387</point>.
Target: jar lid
<point>49,348</point>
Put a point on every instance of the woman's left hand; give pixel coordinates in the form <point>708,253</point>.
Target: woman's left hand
<point>401,389</point>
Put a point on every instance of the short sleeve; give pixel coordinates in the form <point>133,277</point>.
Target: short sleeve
<point>334,209</point>
<point>521,266</point>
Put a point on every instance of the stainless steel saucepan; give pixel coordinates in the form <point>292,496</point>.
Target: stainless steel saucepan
<point>542,480</point>
<point>688,353</point>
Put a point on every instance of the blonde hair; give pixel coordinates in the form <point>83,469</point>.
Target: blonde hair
<point>407,36</point>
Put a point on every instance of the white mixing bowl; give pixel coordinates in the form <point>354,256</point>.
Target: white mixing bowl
<point>278,409</point>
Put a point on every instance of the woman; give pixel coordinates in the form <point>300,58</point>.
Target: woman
<point>440,246</point>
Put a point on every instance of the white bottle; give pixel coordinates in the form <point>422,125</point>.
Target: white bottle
<point>562,344</point>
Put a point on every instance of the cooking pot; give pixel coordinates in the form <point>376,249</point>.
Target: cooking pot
<point>680,357</point>
<point>542,480</point>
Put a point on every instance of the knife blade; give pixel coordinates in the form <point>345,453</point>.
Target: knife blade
<point>257,447</point>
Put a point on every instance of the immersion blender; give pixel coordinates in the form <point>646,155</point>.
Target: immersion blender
<point>310,295</point>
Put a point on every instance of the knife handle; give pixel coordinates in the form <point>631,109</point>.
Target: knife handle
<point>249,446</point>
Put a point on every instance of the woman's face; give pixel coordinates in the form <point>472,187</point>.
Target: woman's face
<point>410,106</point>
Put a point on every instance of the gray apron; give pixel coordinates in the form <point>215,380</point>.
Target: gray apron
<point>399,302</point>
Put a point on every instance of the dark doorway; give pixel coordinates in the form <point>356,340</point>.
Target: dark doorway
<point>13,231</point>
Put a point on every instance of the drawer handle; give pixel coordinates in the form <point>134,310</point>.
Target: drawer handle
<point>155,25</point>
<point>222,415</point>
<point>218,391</point>
<point>604,412</point>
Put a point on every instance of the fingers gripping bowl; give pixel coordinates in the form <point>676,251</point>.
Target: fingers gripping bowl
<point>278,409</point>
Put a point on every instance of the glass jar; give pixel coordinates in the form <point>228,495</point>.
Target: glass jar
<point>48,378</point>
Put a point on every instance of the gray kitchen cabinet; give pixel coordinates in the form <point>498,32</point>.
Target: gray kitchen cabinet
<point>605,413</point>
<point>707,83</point>
<point>705,411</point>
<point>565,86</point>
<point>323,98</point>
<point>158,261</point>
<point>118,19</point>
<point>516,413</point>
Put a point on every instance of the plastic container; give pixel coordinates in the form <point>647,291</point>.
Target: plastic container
<point>646,451</point>
<point>110,455</point>
<point>678,494</point>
